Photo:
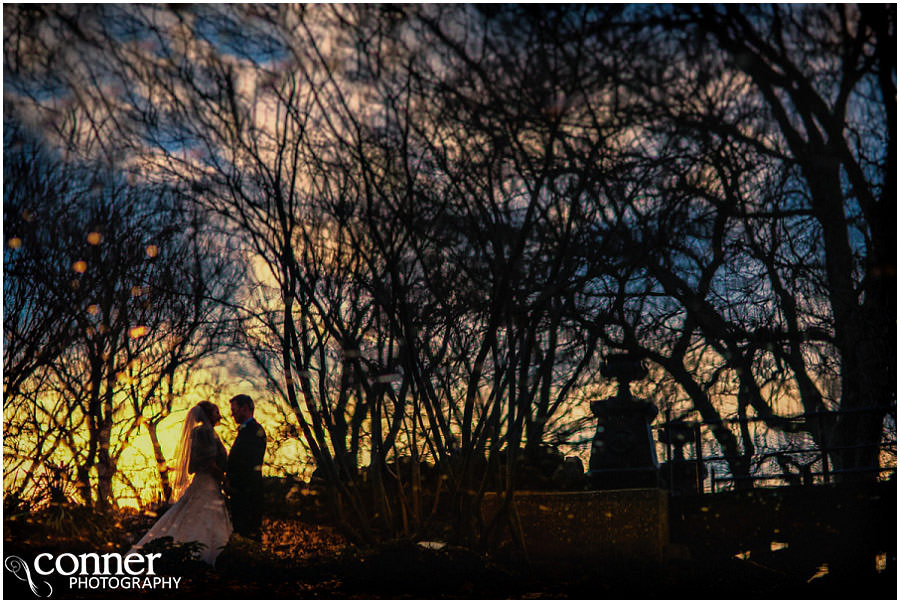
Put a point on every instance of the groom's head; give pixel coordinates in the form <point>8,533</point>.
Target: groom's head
<point>241,408</point>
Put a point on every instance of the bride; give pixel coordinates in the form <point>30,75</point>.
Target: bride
<point>200,514</point>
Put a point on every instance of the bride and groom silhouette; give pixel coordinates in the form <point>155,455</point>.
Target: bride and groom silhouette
<point>201,512</point>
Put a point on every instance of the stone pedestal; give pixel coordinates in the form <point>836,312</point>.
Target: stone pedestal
<point>623,453</point>
<point>680,476</point>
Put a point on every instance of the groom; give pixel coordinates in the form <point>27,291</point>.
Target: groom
<point>244,469</point>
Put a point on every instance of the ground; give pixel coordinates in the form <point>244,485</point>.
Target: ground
<point>306,559</point>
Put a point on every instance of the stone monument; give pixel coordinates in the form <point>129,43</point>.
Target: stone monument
<point>623,454</point>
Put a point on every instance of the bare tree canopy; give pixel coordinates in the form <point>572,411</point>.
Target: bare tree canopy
<point>450,214</point>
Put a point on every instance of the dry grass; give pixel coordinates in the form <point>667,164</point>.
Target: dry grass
<point>294,539</point>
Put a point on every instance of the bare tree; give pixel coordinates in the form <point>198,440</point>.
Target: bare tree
<point>763,189</point>
<point>136,301</point>
<point>449,212</point>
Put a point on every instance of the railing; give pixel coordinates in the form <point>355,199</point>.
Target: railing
<point>775,453</point>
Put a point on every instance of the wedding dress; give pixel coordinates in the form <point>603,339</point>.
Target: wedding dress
<point>200,513</point>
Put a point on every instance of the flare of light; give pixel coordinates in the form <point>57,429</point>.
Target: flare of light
<point>80,266</point>
<point>821,571</point>
<point>15,243</point>
<point>94,238</point>
<point>136,332</point>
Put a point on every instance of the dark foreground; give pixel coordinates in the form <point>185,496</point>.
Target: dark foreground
<point>407,571</point>
<point>723,548</point>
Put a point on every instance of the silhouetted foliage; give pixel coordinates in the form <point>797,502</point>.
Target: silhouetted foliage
<point>451,212</point>
<point>110,300</point>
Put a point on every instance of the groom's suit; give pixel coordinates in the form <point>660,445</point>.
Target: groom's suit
<point>244,472</point>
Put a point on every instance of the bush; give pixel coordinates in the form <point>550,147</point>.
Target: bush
<point>62,527</point>
<point>177,558</point>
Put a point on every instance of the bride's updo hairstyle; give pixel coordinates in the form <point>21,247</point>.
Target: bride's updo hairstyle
<point>209,410</point>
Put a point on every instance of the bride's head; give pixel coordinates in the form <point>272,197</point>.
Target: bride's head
<point>211,411</point>
<point>201,418</point>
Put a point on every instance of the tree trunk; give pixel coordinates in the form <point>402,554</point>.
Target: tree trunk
<point>162,466</point>
<point>84,484</point>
